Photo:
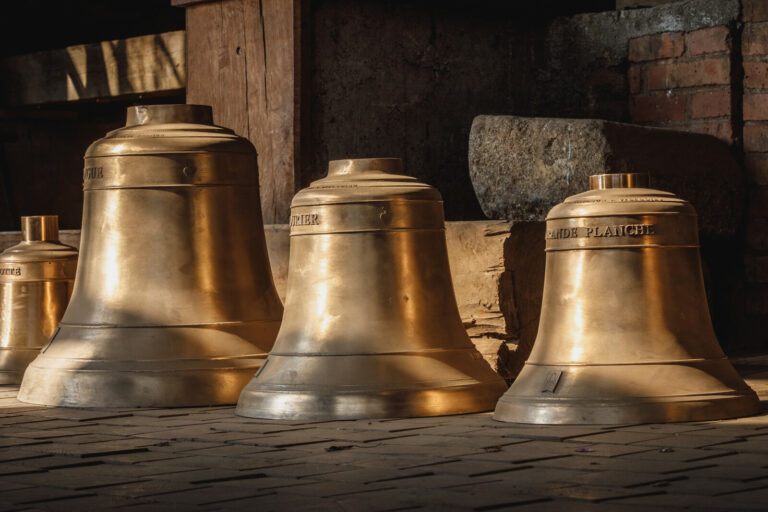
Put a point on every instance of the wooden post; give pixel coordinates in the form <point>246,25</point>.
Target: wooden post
<point>242,59</point>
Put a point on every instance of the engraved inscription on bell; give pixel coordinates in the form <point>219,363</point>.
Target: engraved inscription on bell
<point>630,230</point>
<point>92,173</point>
<point>306,219</point>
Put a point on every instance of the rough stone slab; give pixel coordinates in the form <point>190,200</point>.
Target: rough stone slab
<point>521,167</point>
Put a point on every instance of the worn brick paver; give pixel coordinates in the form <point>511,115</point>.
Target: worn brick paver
<point>207,459</point>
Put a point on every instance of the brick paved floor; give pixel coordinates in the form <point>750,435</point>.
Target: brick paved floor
<point>208,459</point>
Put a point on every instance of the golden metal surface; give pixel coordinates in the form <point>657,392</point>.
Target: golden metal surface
<point>371,328</point>
<point>36,278</point>
<point>625,334</point>
<point>174,303</point>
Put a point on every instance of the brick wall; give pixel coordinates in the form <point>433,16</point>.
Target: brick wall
<point>754,50</point>
<point>683,80</point>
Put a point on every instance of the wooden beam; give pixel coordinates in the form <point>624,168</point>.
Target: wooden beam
<point>124,67</point>
<point>242,57</point>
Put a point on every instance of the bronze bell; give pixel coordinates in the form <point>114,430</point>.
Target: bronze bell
<point>625,334</point>
<point>174,303</point>
<point>371,327</point>
<point>36,278</point>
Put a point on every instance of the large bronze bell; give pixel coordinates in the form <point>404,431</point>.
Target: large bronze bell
<point>625,334</point>
<point>36,278</point>
<point>174,303</point>
<point>371,328</point>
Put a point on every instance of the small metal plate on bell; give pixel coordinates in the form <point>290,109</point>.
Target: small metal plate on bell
<point>50,340</point>
<point>261,368</point>
<point>551,382</point>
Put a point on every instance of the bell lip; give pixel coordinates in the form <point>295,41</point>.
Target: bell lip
<point>342,404</point>
<point>138,115</point>
<point>675,409</point>
<point>619,180</point>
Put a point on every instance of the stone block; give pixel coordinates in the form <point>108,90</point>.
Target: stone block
<point>522,167</point>
<point>498,275</point>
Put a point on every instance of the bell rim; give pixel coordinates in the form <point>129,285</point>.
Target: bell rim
<point>373,404</point>
<point>671,409</point>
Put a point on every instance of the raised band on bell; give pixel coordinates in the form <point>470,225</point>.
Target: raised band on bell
<point>174,303</point>
<point>625,334</point>
<point>371,327</point>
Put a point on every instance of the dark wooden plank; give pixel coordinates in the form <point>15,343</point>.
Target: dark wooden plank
<point>215,32</point>
<point>272,33</point>
<point>136,65</point>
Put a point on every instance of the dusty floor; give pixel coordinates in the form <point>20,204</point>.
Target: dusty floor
<point>208,459</point>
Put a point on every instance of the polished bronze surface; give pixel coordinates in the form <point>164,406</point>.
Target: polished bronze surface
<point>36,278</point>
<point>625,334</point>
<point>173,303</point>
<point>371,328</point>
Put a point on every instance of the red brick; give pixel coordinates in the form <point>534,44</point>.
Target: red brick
<point>754,10</point>
<point>658,108</point>
<point>712,71</point>
<point>708,40</point>
<point>756,138</point>
<point>635,78</point>
<point>711,104</point>
<point>720,129</point>
<point>754,39</point>
<point>757,168</point>
<point>756,75</point>
<point>656,46</point>
<point>756,107</point>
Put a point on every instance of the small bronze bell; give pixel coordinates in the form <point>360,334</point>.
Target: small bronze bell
<point>36,278</point>
<point>371,328</point>
<point>625,334</point>
<point>173,303</point>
